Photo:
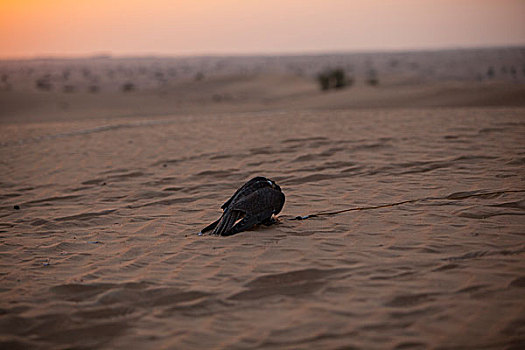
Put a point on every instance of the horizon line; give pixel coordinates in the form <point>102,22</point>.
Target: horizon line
<point>110,55</point>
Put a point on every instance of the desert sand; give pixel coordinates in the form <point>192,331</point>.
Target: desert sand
<point>103,193</point>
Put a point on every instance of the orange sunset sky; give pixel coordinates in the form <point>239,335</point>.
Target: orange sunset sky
<point>31,28</point>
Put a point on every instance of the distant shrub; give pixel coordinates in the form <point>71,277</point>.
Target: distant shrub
<point>199,76</point>
<point>4,85</point>
<point>513,72</point>
<point>333,79</point>
<point>161,78</point>
<point>490,72</point>
<point>43,84</point>
<point>128,87</point>
<point>93,89</point>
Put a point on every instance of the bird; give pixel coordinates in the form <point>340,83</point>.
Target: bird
<point>253,203</point>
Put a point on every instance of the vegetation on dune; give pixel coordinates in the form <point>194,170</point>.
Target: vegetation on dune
<point>333,79</point>
<point>43,84</point>
<point>94,89</point>
<point>128,87</point>
<point>490,72</point>
<point>198,76</point>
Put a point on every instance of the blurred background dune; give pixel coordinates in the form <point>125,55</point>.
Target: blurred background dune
<point>70,60</point>
<point>107,87</point>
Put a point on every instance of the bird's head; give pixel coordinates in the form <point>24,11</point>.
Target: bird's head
<point>274,185</point>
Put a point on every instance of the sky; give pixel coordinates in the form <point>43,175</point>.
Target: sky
<point>33,28</point>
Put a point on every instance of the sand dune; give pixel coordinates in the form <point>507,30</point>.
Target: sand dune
<point>79,89</point>
<point>101,202</point>
<point>253,94</point>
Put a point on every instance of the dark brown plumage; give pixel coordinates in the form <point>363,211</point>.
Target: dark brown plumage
<point>252,204</point>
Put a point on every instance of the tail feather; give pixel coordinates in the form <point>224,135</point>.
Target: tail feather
<point>210,226</point>
<point>227,221</point>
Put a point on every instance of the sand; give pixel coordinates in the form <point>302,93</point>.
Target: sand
<point>103,251</point>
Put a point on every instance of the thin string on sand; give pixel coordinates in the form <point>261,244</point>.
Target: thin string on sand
<point>453,196</point>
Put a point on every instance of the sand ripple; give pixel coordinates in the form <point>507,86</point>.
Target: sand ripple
<point>102,250</point>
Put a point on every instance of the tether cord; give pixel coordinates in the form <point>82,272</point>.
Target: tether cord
<point>454,196</point>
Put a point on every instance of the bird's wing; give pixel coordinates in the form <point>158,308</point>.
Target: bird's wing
<point>250,210</point>
<point>248,221</point>
<point>248,187</point>
<point>211,226</point>
<point>262,200</point>
<point>226,221</point>
<point>258,206</point>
